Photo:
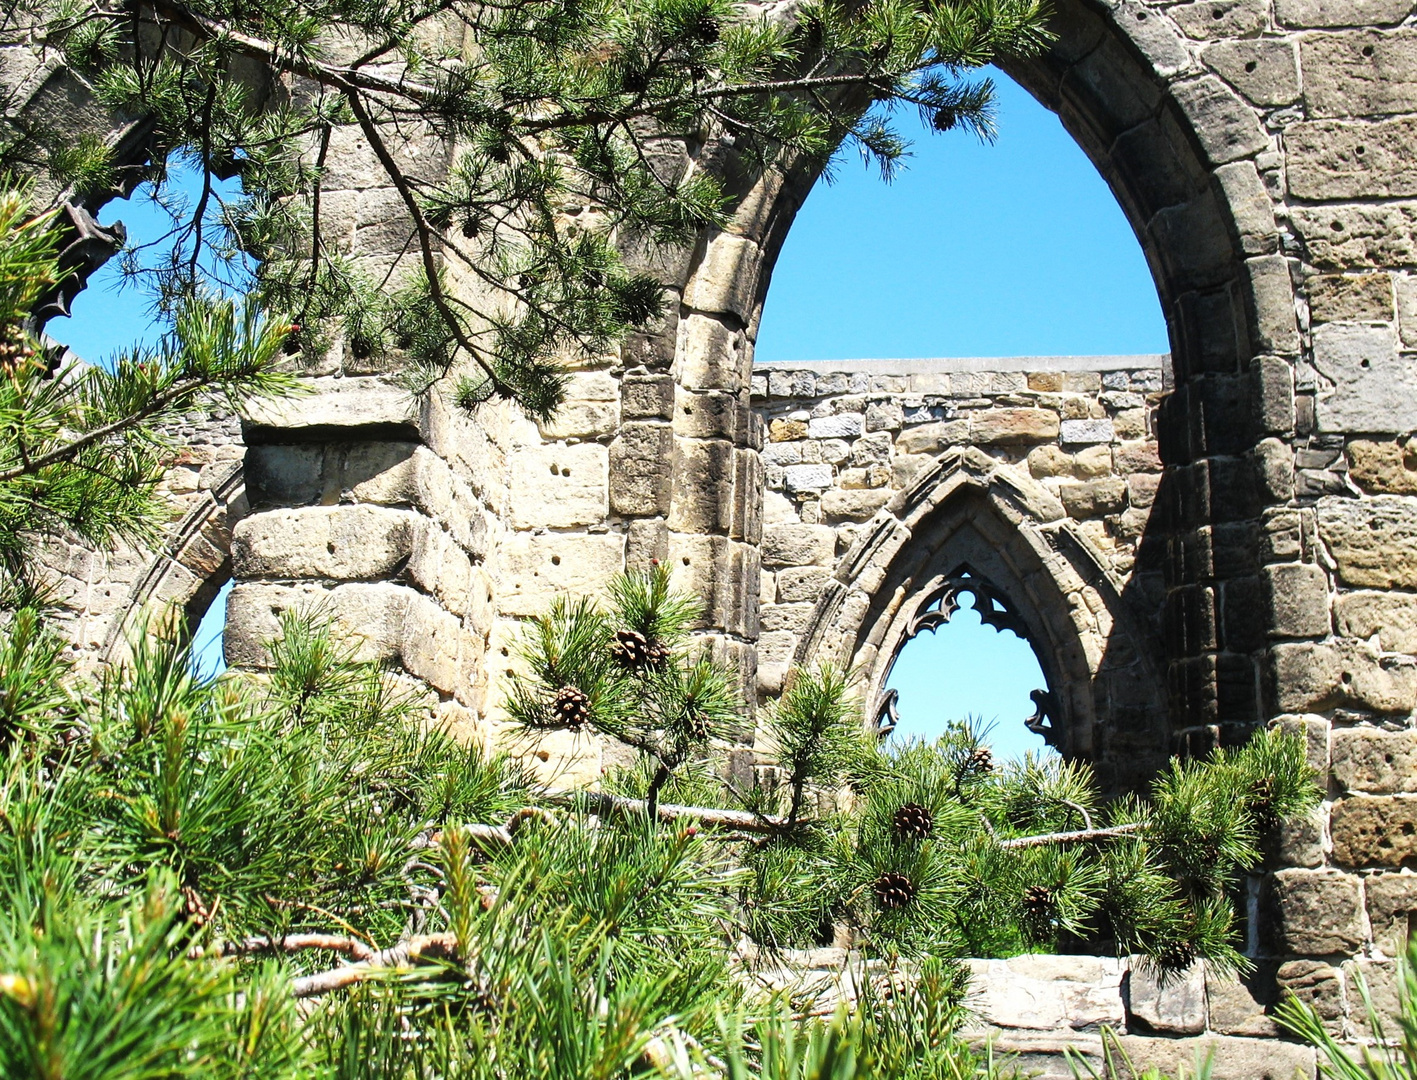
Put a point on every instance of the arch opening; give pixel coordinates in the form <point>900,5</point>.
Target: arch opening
<point>977,664</point>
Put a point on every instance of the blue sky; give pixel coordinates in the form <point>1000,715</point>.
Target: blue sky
<point>1015,248</point>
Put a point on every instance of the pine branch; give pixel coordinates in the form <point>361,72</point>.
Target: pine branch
<point>602,804</point>
<point>378,965</point>
<point>1079,837</point>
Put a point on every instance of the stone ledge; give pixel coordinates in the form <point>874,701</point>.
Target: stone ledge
<point>1144,361</point>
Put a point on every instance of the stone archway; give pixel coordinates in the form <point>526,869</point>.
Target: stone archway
<point>971,509</point>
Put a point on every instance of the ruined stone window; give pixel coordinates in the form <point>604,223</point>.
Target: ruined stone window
<point>967,656</point>
<point>208,654</point>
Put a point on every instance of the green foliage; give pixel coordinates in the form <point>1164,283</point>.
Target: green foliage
<point>1392,1055</point>
<point>566,120</point>
<point>82,449</point>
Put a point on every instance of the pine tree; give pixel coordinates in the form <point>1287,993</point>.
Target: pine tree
<point>563,116</point>
<point>83,448</point>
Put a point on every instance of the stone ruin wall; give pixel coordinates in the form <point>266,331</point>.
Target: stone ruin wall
<point>1262,150</point>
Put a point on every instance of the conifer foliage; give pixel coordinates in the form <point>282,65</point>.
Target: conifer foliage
<point>567,121</point>
<point>181,861</point>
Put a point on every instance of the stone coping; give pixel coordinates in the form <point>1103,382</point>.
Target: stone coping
<point>977,363</point>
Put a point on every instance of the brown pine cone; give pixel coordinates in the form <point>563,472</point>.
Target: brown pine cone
<point>980,762</point>
<point>197,912</point>
<point>14,349</point>
<point>893,891</point>
<point>572,707</point>
<point>1038,898</point>
<point>630,648</point>
<point>912,822</point>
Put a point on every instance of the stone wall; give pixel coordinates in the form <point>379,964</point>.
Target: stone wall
<point>1035,1010</point>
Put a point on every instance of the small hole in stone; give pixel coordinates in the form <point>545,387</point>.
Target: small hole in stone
<point>565,472</point>
<point>1337,226</point>
<point>688,411</point>
<point>555,560</point>
<point>1365,363</point>
<point>504,650</point>
<point>1217,14</point>
<point>1141,16</point>
<point>686,560</point>
<point>1345,678</point>
<point>330,547</point>
<point>1360,150</point>
<point>1367,50</point>
<point>554,471</point>
<point>1251,65</point>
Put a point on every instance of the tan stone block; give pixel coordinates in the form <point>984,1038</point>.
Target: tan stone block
<point>1337,159</point>
<point>1307,13</point>
<point>801,584</point>
<point>1219,18</point>
<point>1311,676</point>
<point>1319,912</point>
<point>929,438</point>
<point>1265,70</point>
<point>798,545</point>
<point>1392,904</point>
<point>1133,457</point>
<point>858,505</point>
<point>1142,488</point>
<point>726,281</point>
<point>560,485</point>
<point>1130,424</point>
<point>1297,598</point>
<point>1314,983</point>
<point>1237,1005</point>
<point>1357,235</point>
<point>787,430</point>
<point>1094,498</point>
<point>439,566</point>
<point>1050,461</point>
<point>1359,73</point>
<point>1014,426</point>
<point>1377,830</point>
<point>1373,541</point>
<point>1227,1057</point>
<point>1045,382</point>
<point>906,467</point>
<point>1385,467</point>
<point>532,570</point>
<point>1391,616</point>
<point>1359,297</point>
<point>1375,761</point>
<point>341,543</point>
<point>1405,288</point>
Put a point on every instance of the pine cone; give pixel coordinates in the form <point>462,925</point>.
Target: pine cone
<point>696,727</point>
<point>14,349</point>
<point>912,822</point>
<point>572,707</point>
<point>197,912</point>
<point>630,648</point>
<point>980,762</point>
<point>1038,899</point>
<point>893,891</point>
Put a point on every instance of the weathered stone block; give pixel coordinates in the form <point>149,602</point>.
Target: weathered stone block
<point>1358,235</point>
<point>1227,128</point>
<point>639,482</point>
<point>1375,761</point>
<point>1229,1058</point>
<point>1353,297</point>
<point>930,438</point>
<point>808,478</point>
<point>1392,617</point>
<point>533,570</point>
<point>1094,498</point>
<point>798,545</point>
<point>1318,912</point>
<point>1013,426</point>
<point>1086,432</point>
<point>439,566</point>
<point>1386,467</point>
<point>1378,830</point>
<point>365,402</point>
<point>801,584</point>
<point>1312,676</point>
<point>370,614</point>
<point>1238,1005</point>
<point>726,281</point>
<point>339,543</point>
<point>1047,991</point>
<point>1373,541</point>
<point>1392,903</point>
<point>560,485</point>
<point>1316,984</point>
<point>853,505</point>
<point>1405,291</point>
<point>1306,13</point>
<point>836,426</point>
<point>1337,159</point>
<point>1166,1003</point>
<point>1297,598</point>
<point>1361,73</point>
<point>1219,18</point>
<point>787,430</point>
<point>1264,70</point>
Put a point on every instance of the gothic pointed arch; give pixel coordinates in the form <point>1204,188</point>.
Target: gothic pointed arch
<point>969,523</point>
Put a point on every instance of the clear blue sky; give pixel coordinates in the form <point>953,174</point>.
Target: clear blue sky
<point>1015,248</point>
